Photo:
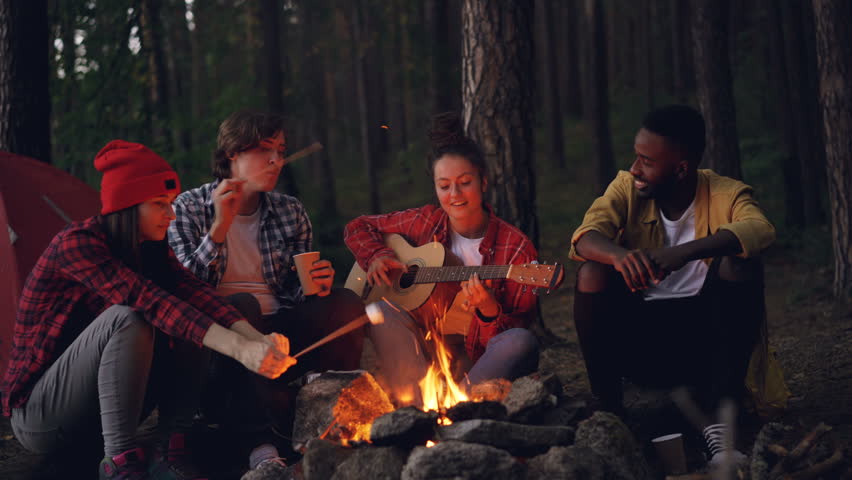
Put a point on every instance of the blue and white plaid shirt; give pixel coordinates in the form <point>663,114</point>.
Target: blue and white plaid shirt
<point>285,230</point>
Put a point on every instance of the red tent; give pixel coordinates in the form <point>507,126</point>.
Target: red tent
<point>36,202</point>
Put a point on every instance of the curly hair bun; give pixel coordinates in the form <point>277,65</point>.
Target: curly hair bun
<point>446,131</point>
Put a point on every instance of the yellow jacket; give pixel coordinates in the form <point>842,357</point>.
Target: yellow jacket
<point>721,203</point>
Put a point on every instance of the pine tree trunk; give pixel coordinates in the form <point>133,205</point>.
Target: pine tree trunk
<point>715,86</point>
<point>569,58</point>
<point>834,54</point>
<point>158,85</point>
<point>598,94</point>
<point>802,89</point>
<point>497,96</point>
<point>549,86</point>
<point>784,116</point>
<point>361,89</point>
<point>274,76</point>
<point>24,74</point>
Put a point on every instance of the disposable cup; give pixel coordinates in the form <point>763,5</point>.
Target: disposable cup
<point>304,262</point>
<point>670,450</point>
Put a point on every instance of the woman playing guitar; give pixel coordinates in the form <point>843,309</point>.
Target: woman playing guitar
<point>490,319</point>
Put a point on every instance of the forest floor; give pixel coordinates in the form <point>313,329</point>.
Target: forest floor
<point>811,333</point>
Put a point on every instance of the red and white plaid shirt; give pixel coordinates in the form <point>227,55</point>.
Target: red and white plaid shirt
<point>77,272</point>
<point>503,244</point>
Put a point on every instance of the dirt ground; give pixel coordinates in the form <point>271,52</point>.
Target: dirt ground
<point>811,334</point>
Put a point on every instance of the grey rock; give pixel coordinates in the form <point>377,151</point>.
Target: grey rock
<point>354,398</point>
<point>569,463</point>
<point>461,461</point>
<point>322,458</point>
<point>405,427</point>
<point>515,438</point>
<point>607,435</point>
<point>375,463</point>
<point>528,400</point>
<point>274,471</point>
<point>472,410</point>
<point>567,412</point>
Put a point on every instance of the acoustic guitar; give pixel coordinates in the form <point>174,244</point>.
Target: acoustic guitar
<point>427,267</point>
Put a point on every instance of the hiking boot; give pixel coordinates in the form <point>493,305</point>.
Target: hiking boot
<point>175,462</point>
<point>719,448</point>
<point>128,465</point>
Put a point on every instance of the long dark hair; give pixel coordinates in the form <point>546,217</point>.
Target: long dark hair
<point>150,259</point>
<point>446,137</point>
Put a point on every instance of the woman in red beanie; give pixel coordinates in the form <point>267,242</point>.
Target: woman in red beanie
<point>109,325</point>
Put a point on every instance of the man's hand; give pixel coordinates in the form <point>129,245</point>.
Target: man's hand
<point>637,268</point>
<point>379,269</point>
<point>667,259</point>
<point>323,275</point>
<point>226,202</point>
<point>480,296</point>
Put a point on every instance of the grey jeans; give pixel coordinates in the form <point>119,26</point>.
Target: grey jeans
<point>404,356</point>
<point>110,377</point>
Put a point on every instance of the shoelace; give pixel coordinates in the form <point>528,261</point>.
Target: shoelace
<point>715,437</point>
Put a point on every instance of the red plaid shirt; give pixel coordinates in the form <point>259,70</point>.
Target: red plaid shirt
<point>77,272</point>
<point>503,244</point>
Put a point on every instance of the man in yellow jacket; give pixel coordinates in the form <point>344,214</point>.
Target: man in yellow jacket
<point>670,291</point>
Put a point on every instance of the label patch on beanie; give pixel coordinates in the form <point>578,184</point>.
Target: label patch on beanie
<point>170,184</point>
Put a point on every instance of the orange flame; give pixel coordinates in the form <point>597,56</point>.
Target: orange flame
<point>438,389</point>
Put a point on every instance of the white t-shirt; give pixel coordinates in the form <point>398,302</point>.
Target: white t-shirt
<point>687,281</point>
<point>244,272</point>
<point>466,249</point>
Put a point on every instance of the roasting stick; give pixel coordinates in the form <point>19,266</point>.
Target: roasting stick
<point>374,315</point>
<point>314,147</point>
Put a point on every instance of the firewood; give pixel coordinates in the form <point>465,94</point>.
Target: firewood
<point>804,446</point>
<point>778,450</point>
<point>817,469</point>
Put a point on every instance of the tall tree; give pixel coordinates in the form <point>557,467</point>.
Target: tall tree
<point>274,77</point>
<point>598,94</point>
<point>158,86</point>
<point>834,54</point>
<point>567,50</point>
<point>549,86</point>
<point>715,85</point>
<point>784,117</point>
<point>361,89</point>
<point>682,65</point>
<point>497,49</point>
<point>796,18</point>
<point>24,74</point>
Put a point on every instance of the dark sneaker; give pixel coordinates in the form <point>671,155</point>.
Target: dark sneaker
<point>174,463</point>
<point>129,465</point>
<point>719,447</point>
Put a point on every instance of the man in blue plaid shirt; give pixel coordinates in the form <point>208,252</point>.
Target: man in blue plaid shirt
<point>240,235</point>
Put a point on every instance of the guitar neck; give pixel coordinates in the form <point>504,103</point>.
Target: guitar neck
<point>459,274</point>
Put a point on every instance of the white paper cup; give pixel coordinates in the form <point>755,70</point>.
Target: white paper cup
<point>670,450</point>
<point>304,262</point>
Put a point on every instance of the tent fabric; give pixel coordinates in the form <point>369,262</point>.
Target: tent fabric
<point>36,201</point>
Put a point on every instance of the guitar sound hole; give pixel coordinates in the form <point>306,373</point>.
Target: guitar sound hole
<point>407,279</point>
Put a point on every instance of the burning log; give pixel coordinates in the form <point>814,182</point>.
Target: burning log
<point>338,406</point>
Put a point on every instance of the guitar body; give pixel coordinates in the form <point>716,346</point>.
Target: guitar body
<point>409,297</point>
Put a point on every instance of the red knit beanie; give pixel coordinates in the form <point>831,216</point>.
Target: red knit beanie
<point>132,174</point>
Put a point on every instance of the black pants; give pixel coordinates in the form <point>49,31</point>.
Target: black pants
<point>246,401</point>
<point>703,341</point>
